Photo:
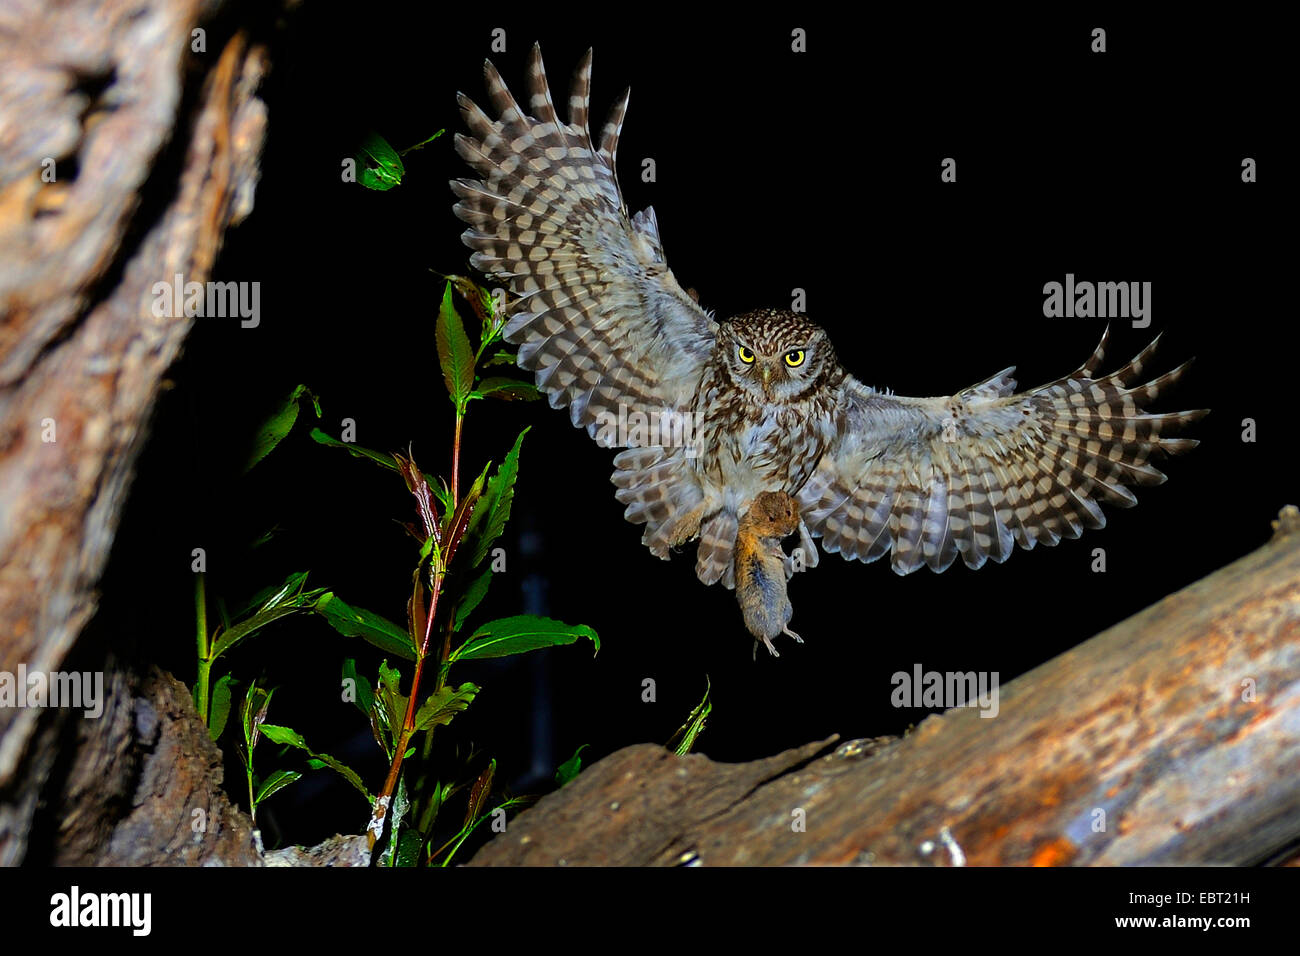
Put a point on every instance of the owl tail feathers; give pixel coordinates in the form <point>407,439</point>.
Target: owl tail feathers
<point>714,560</point>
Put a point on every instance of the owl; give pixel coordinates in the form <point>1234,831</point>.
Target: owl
<point>713,414</point>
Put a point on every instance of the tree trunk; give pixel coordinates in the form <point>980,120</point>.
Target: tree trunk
<point>125,154</point>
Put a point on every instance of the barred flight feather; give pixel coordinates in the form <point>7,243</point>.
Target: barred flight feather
<point>932,479</point>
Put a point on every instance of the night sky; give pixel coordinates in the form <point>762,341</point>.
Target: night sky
<point>775,170</point>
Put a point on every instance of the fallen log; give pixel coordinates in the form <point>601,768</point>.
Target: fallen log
<point>1171,738</point>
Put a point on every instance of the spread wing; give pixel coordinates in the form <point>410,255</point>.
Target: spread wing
<point>599,316</point>
<point>973,474</point>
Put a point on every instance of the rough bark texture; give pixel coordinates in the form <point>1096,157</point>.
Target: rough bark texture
<point>1171,738</point>
<point>144,786</point>
<point>124,156</point>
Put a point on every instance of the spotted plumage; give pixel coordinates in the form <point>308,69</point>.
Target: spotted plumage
<point>760,403</point>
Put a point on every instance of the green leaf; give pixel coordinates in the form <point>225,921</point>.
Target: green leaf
<point>277,781</point>
<point>458,523</point>
<point>365,691</point>
<point>380,166</point>
<point>484,306</point>
<point>348,774</point>
<point>443,705</point>
<point>229,638</point>
<point>291,737</point>
<point>219,705</point>
<point>357,622</point>
<point>428,816</point>
<point>286,594</point>
<point>378,180</point>
<point>381,154</point>
<point>290,594</point>
<point>408,848</point>
<point>472,597</point>
<point>357,451</point>
<point>571,767</point>
<point>255,602</point>
<point>436,484</point>
<point>687,734</point>
<point>479,793</point>
<point>454,352</point>
<point>253,712</point>
<point>519,634</point>
<point>274,429</point>
<point>501,357</point>
<point>284,735</point>
<point>391,701</point>
<point>440,491</point>
<point>509,389</point>
<point>493,510</point>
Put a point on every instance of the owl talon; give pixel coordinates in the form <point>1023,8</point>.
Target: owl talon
<point>786,630</point>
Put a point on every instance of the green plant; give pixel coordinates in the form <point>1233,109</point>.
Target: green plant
<point>457,528</point>
<point>379,166</point>
<point>683,741</point>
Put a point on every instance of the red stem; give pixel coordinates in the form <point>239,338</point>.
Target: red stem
<point>455,463</point>
<point>408,722</point>
<point>408,725</point>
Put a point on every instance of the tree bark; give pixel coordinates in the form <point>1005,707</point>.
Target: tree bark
<point>1171,738</point>
<point>124,157</point>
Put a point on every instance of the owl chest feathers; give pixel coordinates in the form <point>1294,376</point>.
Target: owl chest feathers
<point>746,447</point>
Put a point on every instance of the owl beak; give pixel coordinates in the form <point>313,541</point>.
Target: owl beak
<point>766,373</point>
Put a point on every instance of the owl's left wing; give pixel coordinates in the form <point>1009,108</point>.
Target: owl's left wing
<point>600,317</point>
<point>976,473</point>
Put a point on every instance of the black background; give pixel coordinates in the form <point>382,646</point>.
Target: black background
<point>775,170</point>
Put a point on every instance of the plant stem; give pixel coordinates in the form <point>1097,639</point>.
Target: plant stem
<point>252,803</point>
<point>455,503</point>
<point>438,572</point>
<point>443,666</point>
<point>455,461</point>
<point>408,723</point>
<point>205,665</point>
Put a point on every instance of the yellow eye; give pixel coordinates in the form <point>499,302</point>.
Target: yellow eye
<point>746,356</point>
<point>794,359</point>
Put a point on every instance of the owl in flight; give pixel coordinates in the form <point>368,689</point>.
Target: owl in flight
<point>767,407</point>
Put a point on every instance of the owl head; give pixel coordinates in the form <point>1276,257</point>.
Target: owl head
<point>775,356</point>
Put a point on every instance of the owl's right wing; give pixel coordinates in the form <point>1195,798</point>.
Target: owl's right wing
<point>599,316</point>
<point>974,474</point>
